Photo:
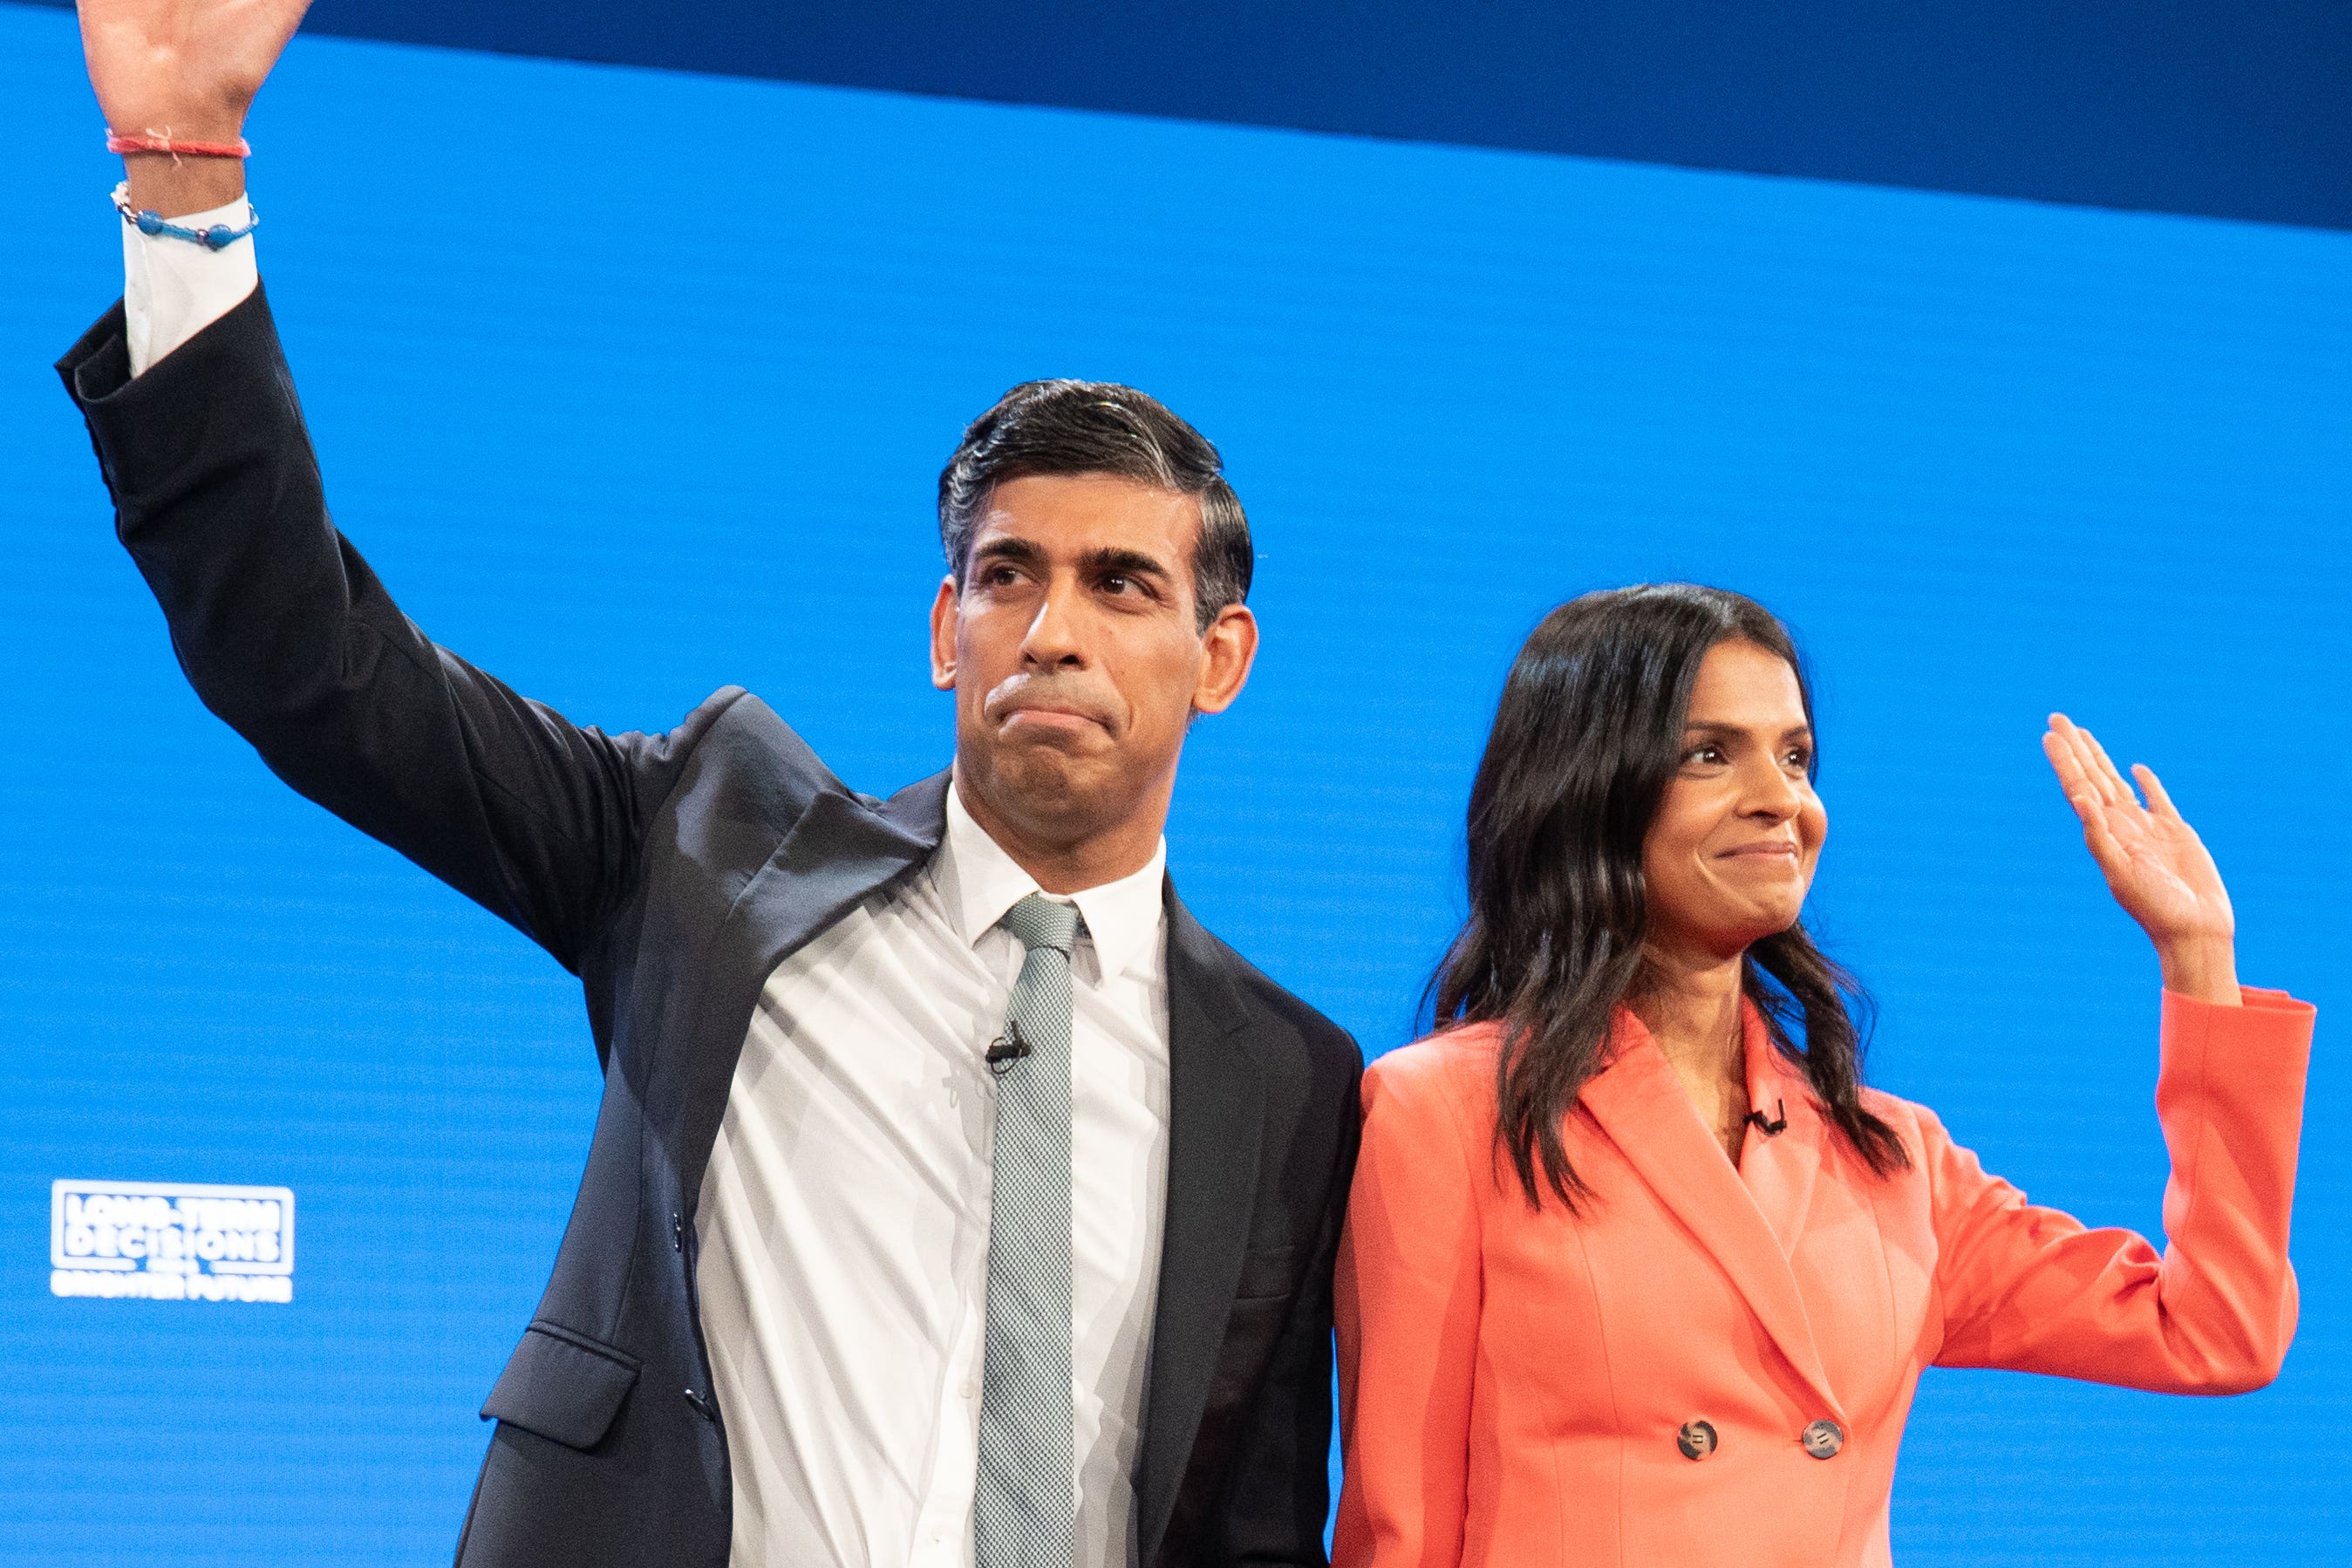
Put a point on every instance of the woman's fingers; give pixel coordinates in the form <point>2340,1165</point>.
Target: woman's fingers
<point>2075,761</point>
<point>2067,763</point>
<point>2106,805</point>
<point>2099,837</point>
<point>2073,776</point>
<point>2117,790</point>
<point>2159,801</point>
<point>2111,857</point>
<point>2096,764</point>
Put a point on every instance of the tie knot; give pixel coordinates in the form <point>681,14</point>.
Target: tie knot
<point>1039,921</point>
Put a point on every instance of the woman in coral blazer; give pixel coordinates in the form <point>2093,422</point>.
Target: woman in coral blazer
<point>1635,1271</point>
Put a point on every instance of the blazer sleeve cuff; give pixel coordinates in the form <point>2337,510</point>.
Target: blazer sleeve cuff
<point>99,365</point>
<point>2239,1071</point>
<point>2262,1014</point>
<point>224,395</point>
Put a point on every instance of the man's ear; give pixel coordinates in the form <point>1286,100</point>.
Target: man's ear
<point>943,635</point>
<point>1229,647</point>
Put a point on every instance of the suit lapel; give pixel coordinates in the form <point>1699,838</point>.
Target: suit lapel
<point>1640,1105</point>
<point>841,848</point>
<point>1778,1171</point>
<point>1214,1110</point>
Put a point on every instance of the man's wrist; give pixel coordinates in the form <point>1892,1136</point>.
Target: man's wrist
<point>173,185</point>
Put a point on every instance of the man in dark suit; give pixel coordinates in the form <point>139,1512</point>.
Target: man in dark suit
<point>956,1198</point>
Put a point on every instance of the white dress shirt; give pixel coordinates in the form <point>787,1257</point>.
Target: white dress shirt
<point>844,1223</point>
<point>842,1229</point>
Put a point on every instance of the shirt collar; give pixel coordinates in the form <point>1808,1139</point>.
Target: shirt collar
<point>980,881</point>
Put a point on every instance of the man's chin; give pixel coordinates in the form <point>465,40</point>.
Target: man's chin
<point>1044,772</point>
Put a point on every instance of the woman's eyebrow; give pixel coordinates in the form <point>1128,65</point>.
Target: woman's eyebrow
<point>1724,729</point>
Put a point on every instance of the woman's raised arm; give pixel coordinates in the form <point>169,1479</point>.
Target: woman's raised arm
<point>2030,1289</point>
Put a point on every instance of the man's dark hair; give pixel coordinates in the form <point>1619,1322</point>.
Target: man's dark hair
<point>1099,428</point>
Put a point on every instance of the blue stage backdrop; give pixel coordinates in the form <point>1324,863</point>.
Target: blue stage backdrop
<point>632,384</point>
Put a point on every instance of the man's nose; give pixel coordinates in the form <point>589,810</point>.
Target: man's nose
<point>1052,640</point>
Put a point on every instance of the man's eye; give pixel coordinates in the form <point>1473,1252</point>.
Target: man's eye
<point>1117,582</point>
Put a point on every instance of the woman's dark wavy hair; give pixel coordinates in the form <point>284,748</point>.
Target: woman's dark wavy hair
<point>1587,737</point>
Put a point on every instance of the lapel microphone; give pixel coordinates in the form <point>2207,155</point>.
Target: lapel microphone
<point>1005,1050</point>
<point>1771,1127</point>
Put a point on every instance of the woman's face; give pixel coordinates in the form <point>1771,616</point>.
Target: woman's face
<point>1731,851</point>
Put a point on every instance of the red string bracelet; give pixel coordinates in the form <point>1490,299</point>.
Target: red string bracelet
<point>117,142</point>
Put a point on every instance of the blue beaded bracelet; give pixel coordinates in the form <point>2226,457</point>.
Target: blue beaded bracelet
<point>219,236</point>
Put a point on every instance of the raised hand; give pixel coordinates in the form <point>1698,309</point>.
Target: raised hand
<point>187,69</point>
<point>2156,866</point>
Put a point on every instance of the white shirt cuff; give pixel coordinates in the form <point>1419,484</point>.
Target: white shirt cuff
<point>173,290</point>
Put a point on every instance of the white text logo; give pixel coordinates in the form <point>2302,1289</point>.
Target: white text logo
<point>171,1241</point>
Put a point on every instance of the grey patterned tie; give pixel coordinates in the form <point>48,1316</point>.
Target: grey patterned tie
<point>1024,1508</point>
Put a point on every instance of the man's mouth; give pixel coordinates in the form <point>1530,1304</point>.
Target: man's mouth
<point>1050,717</point>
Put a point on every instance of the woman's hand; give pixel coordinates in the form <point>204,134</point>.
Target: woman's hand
<point>2154,862</point>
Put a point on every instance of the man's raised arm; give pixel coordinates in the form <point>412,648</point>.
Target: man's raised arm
<point>281,627</point>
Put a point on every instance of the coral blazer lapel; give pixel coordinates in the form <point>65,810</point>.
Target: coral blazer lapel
<point>1640,1104</point>
<point>1778,1169</point>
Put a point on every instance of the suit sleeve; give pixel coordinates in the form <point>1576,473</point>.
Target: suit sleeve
<point>2031,1290</point>
<point>1279,1499</point>
<point>288,636</point>
<point>1408,1296</point>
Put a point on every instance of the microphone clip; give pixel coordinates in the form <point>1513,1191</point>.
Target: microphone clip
<point>1773,1125</point>
<point>1005,1050</point>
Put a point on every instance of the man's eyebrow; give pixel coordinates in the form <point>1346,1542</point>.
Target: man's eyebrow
<point>1134,563</point>
<point>1010,547</point>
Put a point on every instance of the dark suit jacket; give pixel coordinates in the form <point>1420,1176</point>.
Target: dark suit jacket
<point>672,873</point>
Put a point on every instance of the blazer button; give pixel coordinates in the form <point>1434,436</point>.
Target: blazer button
<point>1822,1439</point>
<point>1695,1439</point>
